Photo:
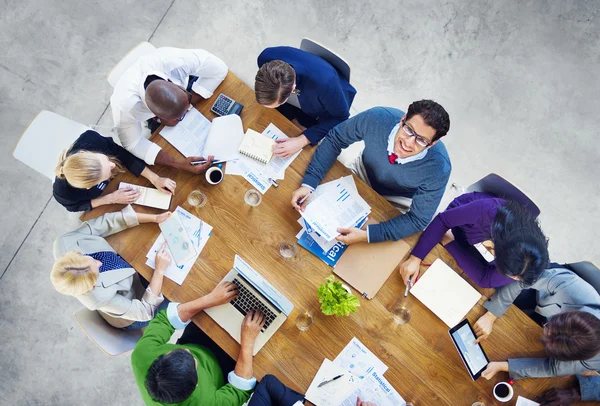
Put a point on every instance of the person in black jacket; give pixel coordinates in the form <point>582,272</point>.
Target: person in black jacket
<point>84,170</point>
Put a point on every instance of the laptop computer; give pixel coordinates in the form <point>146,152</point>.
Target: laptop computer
<point>254,293</point>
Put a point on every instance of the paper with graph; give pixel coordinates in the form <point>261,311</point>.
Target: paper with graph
<point>445,293</point>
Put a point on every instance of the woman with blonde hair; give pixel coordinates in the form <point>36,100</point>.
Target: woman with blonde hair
<point>84,170</point>
<point>89,269</point>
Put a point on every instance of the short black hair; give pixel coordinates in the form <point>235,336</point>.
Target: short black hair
<point>172,377</point>
<point>520,245</point>
<point>434,115</point>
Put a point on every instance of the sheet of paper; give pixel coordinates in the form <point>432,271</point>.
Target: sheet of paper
<point>445,293</point>
<point>375,388</point>
<point>335,207</point>
<point>188,136</point>
<point>198,231</point>
<point>359,360</point>
<point>252,174</point>
<point>224,138</point>
<point>332,393</point>
<point>521,401</point>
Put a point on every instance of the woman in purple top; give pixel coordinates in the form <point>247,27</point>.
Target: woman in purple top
<point>505,229</point>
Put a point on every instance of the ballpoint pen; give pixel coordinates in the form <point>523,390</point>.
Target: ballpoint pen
<point>216,161</point>
<point>407,286</point>
<point>304,198</point>
<point>331,380</point>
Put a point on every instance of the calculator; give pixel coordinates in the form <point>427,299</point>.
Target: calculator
<point>225,105</point>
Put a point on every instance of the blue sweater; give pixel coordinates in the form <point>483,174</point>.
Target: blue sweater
<point>324,95</point>
<point>424,180</point>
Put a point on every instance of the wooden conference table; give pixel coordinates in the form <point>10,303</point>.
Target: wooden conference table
<point>424,366</point>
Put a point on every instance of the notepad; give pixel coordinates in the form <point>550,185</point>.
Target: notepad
<point>149,197</point>
<point>445,293</point>
<point>332,393</point>
<point>257,146</point>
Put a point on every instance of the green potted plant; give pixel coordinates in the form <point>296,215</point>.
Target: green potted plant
<point>336,299</point>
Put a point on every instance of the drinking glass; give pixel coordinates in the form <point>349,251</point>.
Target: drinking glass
<point>478,404</point>
<point>288,249</point>
<point>252,197</point>
<point>401,314</point>
<point>197,199</point>
<point>304,321</point>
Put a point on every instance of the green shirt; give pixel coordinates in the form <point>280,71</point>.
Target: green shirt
<point>211,389</point>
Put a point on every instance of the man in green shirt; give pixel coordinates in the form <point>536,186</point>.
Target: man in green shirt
<point>188,373</point>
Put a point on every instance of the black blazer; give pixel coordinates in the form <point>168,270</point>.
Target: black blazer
<point>75,199</point>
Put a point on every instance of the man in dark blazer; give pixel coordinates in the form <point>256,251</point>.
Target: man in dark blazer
<point>324,97</point>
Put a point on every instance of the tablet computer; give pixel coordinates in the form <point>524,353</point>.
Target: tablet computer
<point>472,355</point>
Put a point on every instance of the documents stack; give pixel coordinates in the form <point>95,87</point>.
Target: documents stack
<point>334,204</point>
<point>197,230</point>
<point>358,372</point>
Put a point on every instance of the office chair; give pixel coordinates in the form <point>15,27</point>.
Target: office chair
<point>498,186</point>
<point>331,57</point>
<point>44,139</point>
<point>110,340</point>
<point>588,272</point>
<point>141,49</point>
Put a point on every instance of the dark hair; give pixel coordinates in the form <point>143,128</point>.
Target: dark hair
<point>434,115</point>
<point>520,246</point>
<point>172,377</point>
<point>572,336</point>
<point>274,82</point>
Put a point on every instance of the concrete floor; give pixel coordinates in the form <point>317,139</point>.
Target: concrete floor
<point>519,79</point>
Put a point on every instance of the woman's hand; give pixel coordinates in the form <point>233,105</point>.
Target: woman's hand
<point>483,326</point>
<point>163,217</point>
<point>493,368</point>
<point>122,196</point>
<point>165,184</point>
<point>163,259</point>
<point>410,269</point>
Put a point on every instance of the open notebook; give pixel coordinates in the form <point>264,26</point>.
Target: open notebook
<point>150,197</point>
<point>257,146</point>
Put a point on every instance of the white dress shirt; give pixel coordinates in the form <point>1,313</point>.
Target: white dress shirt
<point>128,100</point>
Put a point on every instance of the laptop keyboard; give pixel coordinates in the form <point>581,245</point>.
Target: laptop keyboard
<point>247,301</point>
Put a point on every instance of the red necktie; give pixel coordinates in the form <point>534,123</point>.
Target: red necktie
<point>392,158</point>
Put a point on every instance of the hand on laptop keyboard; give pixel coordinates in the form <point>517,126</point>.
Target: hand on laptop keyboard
<point>251,326</point>
<point>223,293</point>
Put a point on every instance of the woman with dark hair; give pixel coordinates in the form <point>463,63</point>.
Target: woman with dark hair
<point>572,343</point>
<point>493,240</point>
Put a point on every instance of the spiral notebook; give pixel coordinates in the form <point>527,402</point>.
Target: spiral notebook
<point>257,146</point>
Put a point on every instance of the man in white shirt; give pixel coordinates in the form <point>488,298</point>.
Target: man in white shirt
<point>162,85</point>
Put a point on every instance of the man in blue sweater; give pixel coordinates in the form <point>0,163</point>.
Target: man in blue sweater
<point>403,158</point>
<point>323,95</point>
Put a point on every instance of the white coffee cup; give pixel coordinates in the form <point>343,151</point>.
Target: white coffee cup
<point>506,398</point>
<point>214,175</point>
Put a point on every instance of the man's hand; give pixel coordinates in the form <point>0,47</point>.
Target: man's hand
<point>159,218</point>
<point>410,269</point>
<point>163,259</point>
<point>123,196</point>
<point>197,169</point>
<point>223,293</point>
<point>351,235</point>
<point>298,195</point>
<point>483,326</point>
<point>561,397</point>
<point>165,184</point>
<point>360,402</point>
<point>289,146</point>
<point>251,326</point>
<point>493,368</point>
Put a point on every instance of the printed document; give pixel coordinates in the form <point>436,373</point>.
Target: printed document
<point>332,393</point>
<point>359,360</point>
<point>521,401</point>
<point>189,135</point>
<point>198,231</point>
<point>375,388</point>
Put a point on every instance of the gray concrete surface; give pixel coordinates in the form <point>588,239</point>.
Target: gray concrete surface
<point>519,79</point>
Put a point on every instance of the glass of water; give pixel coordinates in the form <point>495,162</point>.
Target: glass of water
<point>197,199</point>
<point>478,404</point>
<point>304,321</point>
<point>288,249</point>
<point>401,314</point>
<point>253,197</point>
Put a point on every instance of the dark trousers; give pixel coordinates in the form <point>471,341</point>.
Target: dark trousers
<point>193,335</point>
<point>271,392</point>
<point>527,302</point>
<point>292,112</point>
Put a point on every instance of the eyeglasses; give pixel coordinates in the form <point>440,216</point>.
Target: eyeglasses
<point>189,95</point>
<point>421,141</point>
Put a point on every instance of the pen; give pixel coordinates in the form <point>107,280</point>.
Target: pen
<point>407,287</point>
<point>216,161</point>
<point>274,182</point>
<point>331,380</point>
<point>304,198</point>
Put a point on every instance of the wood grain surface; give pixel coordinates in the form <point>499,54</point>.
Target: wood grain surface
<point>424,365</point>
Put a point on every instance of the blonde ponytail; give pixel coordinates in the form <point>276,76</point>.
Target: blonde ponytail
<point>72,275</point>
<point>61,161</point>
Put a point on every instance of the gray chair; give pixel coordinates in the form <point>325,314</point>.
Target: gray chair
<point>498,186</point>
<point>331,57</point>
<point>588,272</point>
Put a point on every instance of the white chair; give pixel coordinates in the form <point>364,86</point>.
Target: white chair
<point>331,57</point>
<point>143,48</point>
<point>44,139</point>
<point>109,339</point>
